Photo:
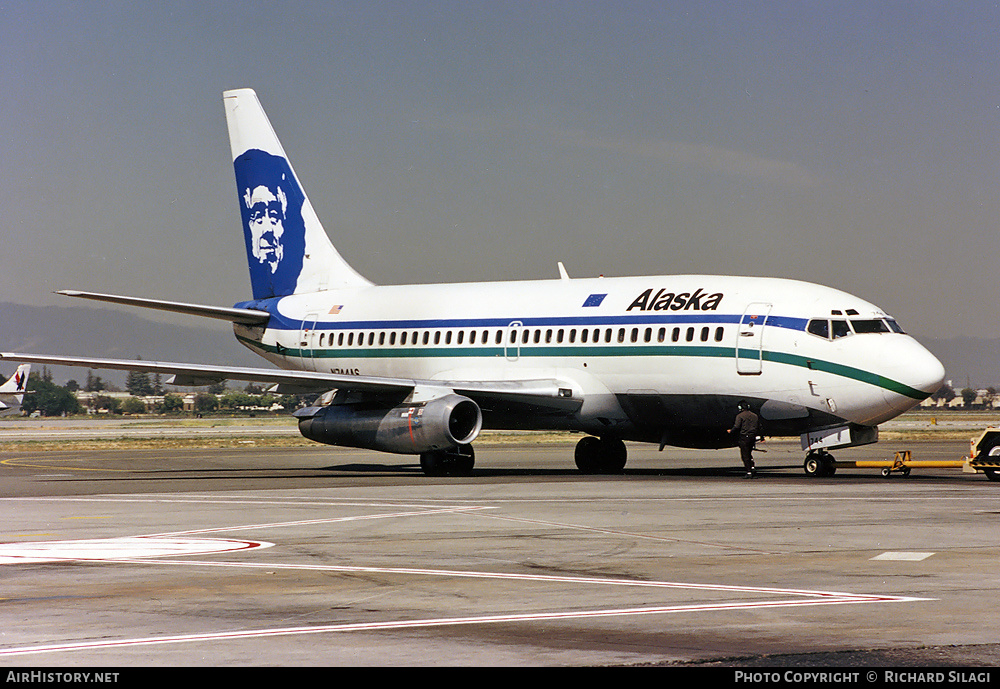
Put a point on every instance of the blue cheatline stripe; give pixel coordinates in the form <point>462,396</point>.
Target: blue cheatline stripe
<point>580,351</point>
<point>281,322</point>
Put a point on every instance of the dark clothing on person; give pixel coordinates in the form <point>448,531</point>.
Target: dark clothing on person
<point>745,429</point>
<point>747,423</point>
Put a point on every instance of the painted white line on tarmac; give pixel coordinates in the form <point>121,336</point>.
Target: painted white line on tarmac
<point>104,549</point>
<point>440,622</point>
<point>902,556</point>
<point>169,544</point>
<point>145,549</point>
<point>332,520</point>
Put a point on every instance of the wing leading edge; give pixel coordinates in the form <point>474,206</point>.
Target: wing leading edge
<point>552,394</point>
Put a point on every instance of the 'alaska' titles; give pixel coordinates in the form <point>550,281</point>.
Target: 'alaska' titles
<point>662,300</point>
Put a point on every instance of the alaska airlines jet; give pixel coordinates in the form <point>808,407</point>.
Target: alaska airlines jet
<point>421,369</point>
<point>12,391</point>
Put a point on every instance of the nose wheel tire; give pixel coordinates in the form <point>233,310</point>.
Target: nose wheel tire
<point>819,464</point>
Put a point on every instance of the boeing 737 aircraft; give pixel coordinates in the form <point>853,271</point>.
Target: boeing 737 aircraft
<point>12,392</point>
<point>421,369</point>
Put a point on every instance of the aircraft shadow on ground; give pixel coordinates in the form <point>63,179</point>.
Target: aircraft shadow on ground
<point>788,472</point>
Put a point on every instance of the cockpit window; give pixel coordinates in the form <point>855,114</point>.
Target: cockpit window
<point>834,329</point>
<point>840,329</point>
<point>819,327</point>
<point>862,327</point>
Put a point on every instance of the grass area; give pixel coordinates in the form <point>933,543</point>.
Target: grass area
<point>913,426</point>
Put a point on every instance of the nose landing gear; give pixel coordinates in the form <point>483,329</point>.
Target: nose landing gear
<point>819,463</point>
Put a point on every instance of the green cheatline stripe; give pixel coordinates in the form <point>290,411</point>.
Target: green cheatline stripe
<point>602,351</point>
<point>846,372</point>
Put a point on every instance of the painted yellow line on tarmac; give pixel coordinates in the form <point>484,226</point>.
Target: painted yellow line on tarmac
<point>23,463</point>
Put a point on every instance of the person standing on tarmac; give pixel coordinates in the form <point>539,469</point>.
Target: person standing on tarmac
<point>745,429</point>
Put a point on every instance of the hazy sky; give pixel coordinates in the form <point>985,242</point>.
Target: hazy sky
<point>854,144</point>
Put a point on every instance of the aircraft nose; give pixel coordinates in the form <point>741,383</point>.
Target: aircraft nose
<point>915,372</point>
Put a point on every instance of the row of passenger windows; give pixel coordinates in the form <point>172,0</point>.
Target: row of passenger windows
<point>833,329</point>
<point>517,336</point>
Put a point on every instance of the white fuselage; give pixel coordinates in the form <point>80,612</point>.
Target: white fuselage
<point>654,358</point>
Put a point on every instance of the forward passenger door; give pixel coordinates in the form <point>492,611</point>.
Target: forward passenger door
<point>750,339</point>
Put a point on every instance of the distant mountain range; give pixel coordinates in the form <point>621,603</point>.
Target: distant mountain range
<point>86,331</point>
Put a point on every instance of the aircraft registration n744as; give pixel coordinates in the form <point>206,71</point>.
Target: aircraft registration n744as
<point>421,369</point>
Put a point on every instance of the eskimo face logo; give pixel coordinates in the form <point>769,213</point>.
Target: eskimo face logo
<point>266,224</point>
<point>271,203</point>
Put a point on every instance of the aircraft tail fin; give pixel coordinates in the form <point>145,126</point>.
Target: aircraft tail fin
<point>17,382</point>
<point>287,248</point>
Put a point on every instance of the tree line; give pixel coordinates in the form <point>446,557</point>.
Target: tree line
<point>50,399</point>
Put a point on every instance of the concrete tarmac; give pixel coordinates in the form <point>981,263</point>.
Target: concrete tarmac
<point>328,556</point>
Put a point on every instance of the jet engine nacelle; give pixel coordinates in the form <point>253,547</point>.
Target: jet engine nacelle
<point>441,423</point>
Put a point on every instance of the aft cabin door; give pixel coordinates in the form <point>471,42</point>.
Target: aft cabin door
<point>308,342</point>
<point>750,339</point>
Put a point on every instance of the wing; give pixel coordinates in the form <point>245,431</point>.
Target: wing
<point>546,394</point>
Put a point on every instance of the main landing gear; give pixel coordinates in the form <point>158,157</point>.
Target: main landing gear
<point>454,461</point>
<point>601,455</point>
<point>819,463</point>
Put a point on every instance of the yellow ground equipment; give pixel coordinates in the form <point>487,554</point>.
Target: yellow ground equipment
<point>984,456</point>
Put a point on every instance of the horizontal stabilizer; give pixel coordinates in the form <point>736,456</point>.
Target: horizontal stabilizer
<point>243,316</point>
